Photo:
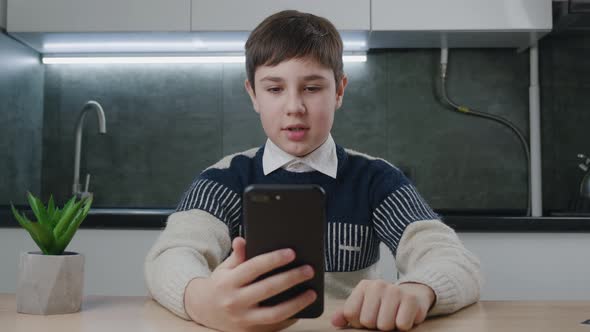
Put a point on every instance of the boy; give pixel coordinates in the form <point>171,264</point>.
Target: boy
<point>296,83</point>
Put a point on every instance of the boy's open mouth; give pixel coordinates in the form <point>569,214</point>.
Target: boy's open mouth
<point>296,133</point>
<point>296,128</point>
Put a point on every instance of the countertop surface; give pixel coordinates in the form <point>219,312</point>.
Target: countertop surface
<point>148,218</point>
<point>114,314</point>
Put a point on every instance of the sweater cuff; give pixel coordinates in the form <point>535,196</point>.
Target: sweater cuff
<point>174,280</point>
<point>175,292</point>
<point>447,295</point>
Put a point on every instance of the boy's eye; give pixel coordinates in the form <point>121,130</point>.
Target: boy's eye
<point>274,89</point>
<point>313,88</point>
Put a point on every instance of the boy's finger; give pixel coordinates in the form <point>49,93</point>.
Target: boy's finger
<point>281,311</point>
<point>275,284</point>
<point>354,304</point>
<point>338,319</point>
<point>251,269</point>
<point>238,255</point>
<point>406,314</point>
<point>239,248</point>
<point>370,308</point>
<point>388,310</point>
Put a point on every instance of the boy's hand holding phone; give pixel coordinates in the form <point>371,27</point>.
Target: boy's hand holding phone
<point>228,299</point>
<point>381,305</point>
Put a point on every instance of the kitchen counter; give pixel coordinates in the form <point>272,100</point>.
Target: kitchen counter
<point>125,218</point>
<point>117,313</point>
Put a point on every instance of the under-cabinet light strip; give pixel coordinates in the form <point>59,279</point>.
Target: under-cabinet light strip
<point>162,59</point>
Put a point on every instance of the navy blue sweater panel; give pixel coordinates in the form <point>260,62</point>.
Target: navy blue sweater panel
<point>369,202</point>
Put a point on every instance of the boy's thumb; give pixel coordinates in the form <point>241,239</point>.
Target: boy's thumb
<point>238,255</point>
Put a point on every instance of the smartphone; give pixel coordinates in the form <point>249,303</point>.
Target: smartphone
<point>288,216</point>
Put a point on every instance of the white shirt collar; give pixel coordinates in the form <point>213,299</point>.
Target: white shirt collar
<point>323,159</point>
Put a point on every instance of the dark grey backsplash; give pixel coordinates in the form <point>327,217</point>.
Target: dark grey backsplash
<point>21,120</point>
<point>166,123</point>
<point>565,103</point>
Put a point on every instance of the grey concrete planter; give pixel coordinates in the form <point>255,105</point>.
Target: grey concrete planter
<point>50,284</point>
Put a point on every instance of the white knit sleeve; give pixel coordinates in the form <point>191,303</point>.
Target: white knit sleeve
<point>430,253</point>
<point>193,243</point>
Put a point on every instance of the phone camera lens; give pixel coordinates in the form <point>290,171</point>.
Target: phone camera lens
<point>260,198</point>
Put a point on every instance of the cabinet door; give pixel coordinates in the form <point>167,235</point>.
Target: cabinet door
<point>98,15</point>
<point>460,15</point>
<point>232,15</point>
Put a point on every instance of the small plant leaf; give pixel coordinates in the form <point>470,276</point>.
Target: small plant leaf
<point>63,241</point>
<point>54,228</point>
<point>22,220</point>
<point>51,211</point>
<point>45,237</point>
<point>68,213</point>
<point>41,235</point>
<point>68,204</point>
<point>56,216</point>
<point>38,209</point>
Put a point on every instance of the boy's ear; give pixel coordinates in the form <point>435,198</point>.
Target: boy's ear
<point>252,95</point>
<point>340,90</point>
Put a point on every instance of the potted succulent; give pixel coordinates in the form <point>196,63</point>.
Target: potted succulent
<point>51,281</point>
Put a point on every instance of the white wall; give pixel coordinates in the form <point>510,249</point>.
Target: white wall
<point>529,266</point>
<point>516,266</point>
<point>113,259</point>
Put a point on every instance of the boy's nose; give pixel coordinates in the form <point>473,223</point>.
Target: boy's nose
<point>295,104</point>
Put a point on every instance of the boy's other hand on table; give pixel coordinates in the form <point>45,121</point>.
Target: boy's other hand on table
<point>228,299</point>
<point>381,305</point>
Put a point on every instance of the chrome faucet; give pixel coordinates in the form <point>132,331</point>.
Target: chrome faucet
<point>89,106</point>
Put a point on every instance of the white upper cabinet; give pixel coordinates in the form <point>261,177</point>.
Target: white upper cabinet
<point>466,15</point>
<point>233,15</point>
<point>2,13</point>
<point>459,23</point>
<point>206,24</point>
<point>98,15</point>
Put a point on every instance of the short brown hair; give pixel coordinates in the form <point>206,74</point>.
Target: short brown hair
<point>291,34</point>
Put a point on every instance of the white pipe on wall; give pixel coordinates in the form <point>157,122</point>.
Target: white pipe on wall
<point>535,134</point>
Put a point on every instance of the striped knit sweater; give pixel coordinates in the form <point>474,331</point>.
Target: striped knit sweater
<point>369,202</point>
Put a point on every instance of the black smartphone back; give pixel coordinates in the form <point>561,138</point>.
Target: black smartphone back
<point>288,216</point>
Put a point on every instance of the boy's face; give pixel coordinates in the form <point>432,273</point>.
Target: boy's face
<point>296,100</point>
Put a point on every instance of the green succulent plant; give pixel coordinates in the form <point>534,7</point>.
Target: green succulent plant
<point>54,228</point>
